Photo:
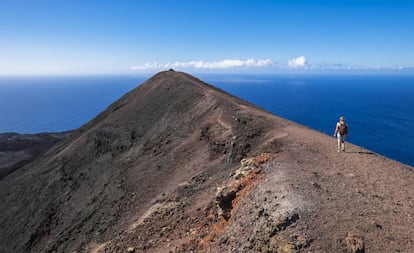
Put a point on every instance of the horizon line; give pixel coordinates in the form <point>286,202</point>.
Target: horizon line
<point>406,71</point>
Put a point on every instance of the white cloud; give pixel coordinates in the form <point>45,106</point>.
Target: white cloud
<point>298,62</point>
<point>223,64</point>
<point>146,66</point>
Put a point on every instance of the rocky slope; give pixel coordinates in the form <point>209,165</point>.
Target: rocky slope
<point>17,150</point>
<point>177,165</point>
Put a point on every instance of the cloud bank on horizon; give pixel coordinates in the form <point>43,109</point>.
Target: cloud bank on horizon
<point>223,64</point>
<point>294,64</point>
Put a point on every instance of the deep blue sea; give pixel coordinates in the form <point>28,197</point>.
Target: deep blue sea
<point>379,108</point>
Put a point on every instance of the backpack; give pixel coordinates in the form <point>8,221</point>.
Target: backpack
<point>343,129</point>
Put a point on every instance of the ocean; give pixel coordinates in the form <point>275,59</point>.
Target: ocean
<point>54,104</point>
<point>378,108</point>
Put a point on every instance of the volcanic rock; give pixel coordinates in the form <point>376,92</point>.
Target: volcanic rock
<point>355,243</point>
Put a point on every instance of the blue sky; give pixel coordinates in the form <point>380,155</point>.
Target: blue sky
<point>121,37</point>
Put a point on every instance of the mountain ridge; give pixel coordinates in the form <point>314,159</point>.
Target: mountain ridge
<point>91,155</point>
<point>159,170</point>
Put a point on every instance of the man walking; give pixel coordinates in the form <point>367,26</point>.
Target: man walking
<point>341,131</point>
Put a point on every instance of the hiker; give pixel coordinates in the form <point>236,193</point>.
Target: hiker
<point>341,131</point>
